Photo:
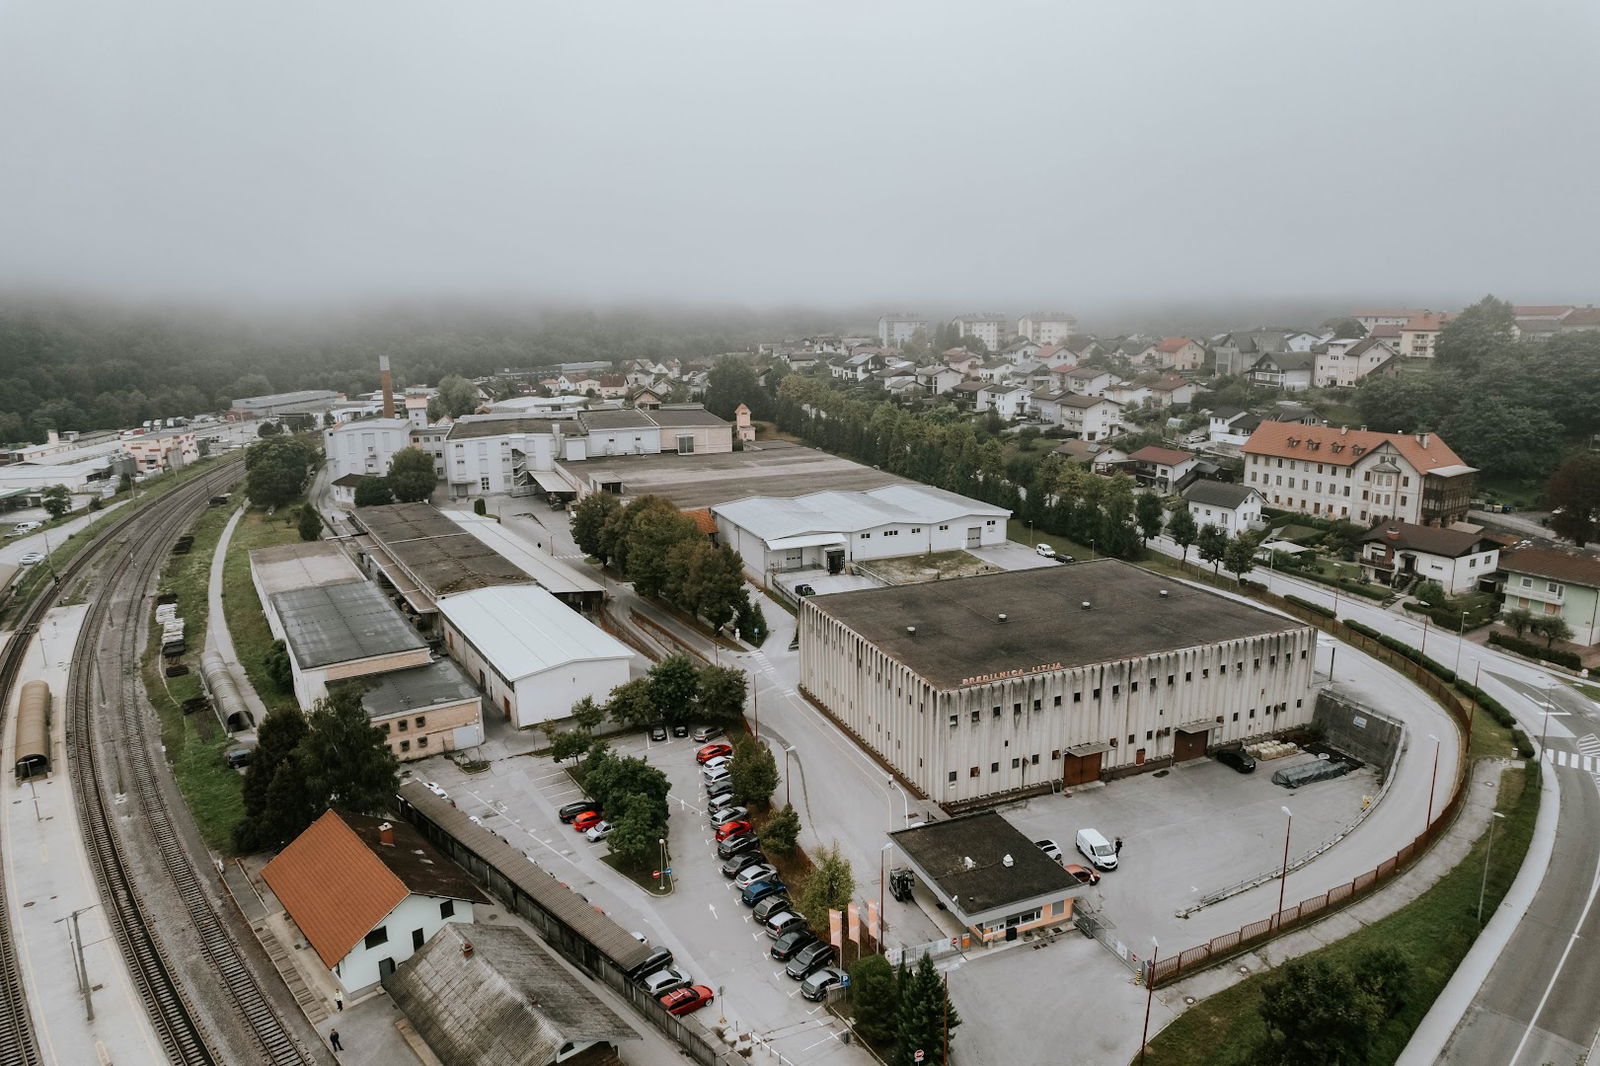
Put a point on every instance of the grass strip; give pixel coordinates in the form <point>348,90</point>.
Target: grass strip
<point>247,622</point>
<point>1435,931</point>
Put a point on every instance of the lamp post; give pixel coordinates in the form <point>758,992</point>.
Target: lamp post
<point>883,879</point>
<point>1149,997</point>
<point>1544,723</point>
<point>1461,629</point>
<point>666,871</point>
<point>889,784</point>
<point>788,750</point>
<point>1484,884</point>
<point>755,703</point>
<point>1283,879</point>
<point>1434,782</point>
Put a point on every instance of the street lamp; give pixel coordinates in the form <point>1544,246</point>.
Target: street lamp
<point>883,878</point>
<point>787,751</point>
<point>1544,725</point>
<point>1435,781</point>
<point>1149,997</point>
<point>666,871</point>
<point>1484,884</point>
<point>905,801</point>
<point>1283,880</point>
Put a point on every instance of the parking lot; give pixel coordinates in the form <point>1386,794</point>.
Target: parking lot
<point>710,932</point>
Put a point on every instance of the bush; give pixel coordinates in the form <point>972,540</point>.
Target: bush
<point>1400,647</point>
<point>1523,745</point>
<point>1536,651</point>
<point>1314,608</point>
<point>1491,706</point>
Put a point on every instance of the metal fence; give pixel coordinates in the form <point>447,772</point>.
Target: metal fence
<point>1090,921</point>
<point>912,954</point>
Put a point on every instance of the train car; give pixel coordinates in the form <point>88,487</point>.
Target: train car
<point>33,731</point>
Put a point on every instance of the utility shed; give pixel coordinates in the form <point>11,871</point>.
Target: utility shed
<point>492,996</point>
<point>335,632</point>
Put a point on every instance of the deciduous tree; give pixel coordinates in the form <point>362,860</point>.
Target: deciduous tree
<point>1150,516</point>
<point>1573,495</point>
<point>630,705</point>
<point>589,519</point>
<point>829,886</point>
<point>1240,556</point>
<point>280,732</point>
<point>722,696</point>
<point>1183,529</point>
<point>753,771</point>
<point>411,475</point>
<point>1479,333</point>
<point>57,500</point>
<point>348,763</point>
<point>310,526</point>
<point>1213,545</point>
<point>373,492</point>
<point>674,684</point>
<point>875,998</point>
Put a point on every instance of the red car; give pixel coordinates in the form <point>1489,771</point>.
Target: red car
<point>732,829</point>
<point>586,821</point>
<point>1084,875</point>
<point>711,751</point>
<point>687,1000</point>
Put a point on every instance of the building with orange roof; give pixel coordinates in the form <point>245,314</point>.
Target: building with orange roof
<point>1174,353</point>
<point>1356,475</point>
<point>367,892</point>
<point>1419,336</point>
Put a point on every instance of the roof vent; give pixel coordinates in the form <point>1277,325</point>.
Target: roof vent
<point>1002,619</point>
<point>1085,605</point>
<point>911,631</point>
<point>386,834</point>
<point>1007,862</point>
<point>1163,594</point>
<point>466,949</point>
<point>967,863</point>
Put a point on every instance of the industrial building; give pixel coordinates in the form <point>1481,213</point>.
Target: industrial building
<point>303,402</point>
<point>335,632</point>
<point>532,655</point>
<point>365,446</point>
<point>982,686</point>
<point>422,710</point>
<point>833,529</point>
<point>300,565</point>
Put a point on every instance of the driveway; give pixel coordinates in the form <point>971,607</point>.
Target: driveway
<point>1013,556</point>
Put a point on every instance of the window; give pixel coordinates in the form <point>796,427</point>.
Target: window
<point>952,777</point>
<point>976,715</point>
<point>405,745</point>
<point>997,711</point>
<point>422,742</point>
<point>1016,708</point>
<point>386,728</point>
<point>1188,675</point>
<point>1077,697</point>
<point>916,529</point>
<point>1016,764</point>
<point>943,528</point>
<point>1553,588</point>
<point>991,522</point>
<point>1222,668</point>
<point>1055,755</point>
<point>1149,734</point>
<point>1096,693</point>
<point>1058,701</point>
<point>1235,716</point>
<point>686,445</point>
<point>447,908</point>
<point>1035,759</point>
<point>1133,686</point>
<point>404,725</point>
<point>1205,672</point>
<point>891,532</point>
<point>953,721</point>
<point>377,937</point>
<point>972,772</point>
<point>416,939</point>
<point>483,484</point>
<point>422,721</point>
<point>866,536</point>
<point>994,768</point>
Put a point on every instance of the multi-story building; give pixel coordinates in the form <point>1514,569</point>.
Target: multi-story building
<point>365,446</point>
<point>984,686</point>
<point>1385,316</point>
<point>1345,363</point>
<point>1554,584</point>
<point>1174,353</point>
<point>1358,475</point>
<point>1047,327</point>
<point>989,328</point>
<point>896,329</point>
<point>1419,335</point>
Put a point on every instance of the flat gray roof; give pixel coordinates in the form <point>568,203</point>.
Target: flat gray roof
<point>285,567</point>
<point>342,623</point>
<point>498,426</point>
<point>668,417</point>
<point>615,419</point>
<point>965,857</point>
<point>960,640</point>
<point>416,688</point>
<point>445,558</point>
<point>769,468</point>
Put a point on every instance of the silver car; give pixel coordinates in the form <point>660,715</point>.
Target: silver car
<point>667,979</point>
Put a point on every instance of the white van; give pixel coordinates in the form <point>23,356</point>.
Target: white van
<point>1097,849</point>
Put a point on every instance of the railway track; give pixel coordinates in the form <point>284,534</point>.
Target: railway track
<point>144,539</point>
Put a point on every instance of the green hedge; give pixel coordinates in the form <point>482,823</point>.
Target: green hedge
<point>1400,647</point>
<point>1315,608</point>
<point>1536,651</point>
<point>1343,583</point>
<point>1449,617</point>
<point>1523,745</point>
<point>1493,707</point>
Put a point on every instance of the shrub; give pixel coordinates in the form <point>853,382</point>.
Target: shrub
<point>1523,745</point>
<point>1536,651</point>
<point>1314,608</point>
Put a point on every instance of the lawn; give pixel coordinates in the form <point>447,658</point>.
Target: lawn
<point>1019,531</point>
<point>1434,931</point>
<point>247,623</point>
<point>1518,493</point>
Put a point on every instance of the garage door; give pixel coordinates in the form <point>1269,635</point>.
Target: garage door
<point>1080,769</point>
<point>1188,745</point>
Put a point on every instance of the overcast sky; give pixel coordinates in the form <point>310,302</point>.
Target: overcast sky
<point>991,153</point>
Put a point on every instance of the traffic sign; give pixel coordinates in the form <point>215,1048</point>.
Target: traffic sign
<point>655,873</point>
<point>916,1056</point>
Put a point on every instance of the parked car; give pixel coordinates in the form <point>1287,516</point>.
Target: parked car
<point>1097,849</point>
<point>710,767</point>
<point>572,810</point>
<point>237,758</point>
<point>597,832</point>
<point>1084,875</point>
<point>1050,848</point>
<point>1238,760</point>
<point>22,529</point>
<point>658,732</point>
<point>1045,550</point>
<point>755,872</point>
<point>679,729</point>
<point>712,751</point>
<point>737,845</point>
<point>657,959</point>
<point>731,812</point>
<point>436,790</point>
<point>761,890</point>
<point>783,921</point>
<point>31,558</point>
<point>733,829</point>
<point>819,984</point>
<point>741,861</point>
<point>770,906</point>
<point>687,1000</point>
<point>662,981</point>
<point>784,948</point>
<point>722,786</point>
<point>809,958</point>
<point>586,821</point>
<point>707,732</point>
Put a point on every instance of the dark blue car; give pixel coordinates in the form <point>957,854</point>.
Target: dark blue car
<point>760,891</point>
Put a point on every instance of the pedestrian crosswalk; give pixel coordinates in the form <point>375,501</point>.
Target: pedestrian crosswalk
<point>1589,764</point>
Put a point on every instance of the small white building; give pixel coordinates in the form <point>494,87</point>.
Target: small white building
<point>365,445</point>
<point>1090,417</point>
<point>1010,402</point>
<point>532,655</point>
<point>367,893</point>
<point>831,529</point>
<point>1393,552</point>
<point>1162,468</point>
<point>1089,380</point>
<point>1231,508</point>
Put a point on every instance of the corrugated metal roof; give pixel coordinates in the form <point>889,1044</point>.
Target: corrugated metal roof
<point>773,518</point>
<point>342,623</point>
<point>588,921</point>
<point>524,630</point>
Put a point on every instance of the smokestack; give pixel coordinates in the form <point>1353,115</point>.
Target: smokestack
<point>387,380</point>
<point>386,834</point>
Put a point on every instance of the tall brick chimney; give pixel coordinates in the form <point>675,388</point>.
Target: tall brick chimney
<point>387,380</point>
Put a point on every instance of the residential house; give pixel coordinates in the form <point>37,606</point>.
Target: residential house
<point>1345,363</point>
<point>997,370</point>
<point>1420,335</point>
<point>1089,452</point>
<point>1551,583</point>
<point>1174,353</point>
<point>1231,426</point>
<point>367,892</point>
<point>991,329</point>
<point>1358,475</point>
<point>1084,347</point>
<point>1020,350</point>
<point>896,329</point>
<point>1089,381</point>
<point>969,390</point>
<point>612,386</point>
<point>1010,402</point>
<point>1055,354</point>
<point>1384,316</point>
<point>1089,417</point>
<point>1289,371</point>
<point>1580,320</point>
<point>962,362</point>
<point>646,397</point>
<point>1046,327</point>
<point>1172,390</point>
<point>937,379</point>
<point>1162,468</point>
<point>1231,508</point>
<point>1127,393</point>
<point>1393,553</point>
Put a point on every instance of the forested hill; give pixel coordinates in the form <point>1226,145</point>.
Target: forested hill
<point>73,365</point>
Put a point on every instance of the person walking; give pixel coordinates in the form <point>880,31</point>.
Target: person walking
<point>1118,847</point>
<point>333,1038</point>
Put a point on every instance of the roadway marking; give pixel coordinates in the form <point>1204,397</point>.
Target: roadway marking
<point>1587,763</point>
<point>712,908</point>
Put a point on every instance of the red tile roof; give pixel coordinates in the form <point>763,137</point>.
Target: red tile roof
<point>703,519</point>
<point>1049,352</point>
<point>1172,344</point>
<point>1163,456</point>
<point>1170,382</point>
<point>1427,322</point>
<point>1343,447</point>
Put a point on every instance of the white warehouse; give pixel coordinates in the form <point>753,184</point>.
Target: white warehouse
<point>532,655</point>
<point>831,529</point>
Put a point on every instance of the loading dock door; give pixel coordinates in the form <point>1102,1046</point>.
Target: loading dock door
<point>1080,769</point>
<point>1187,745</point>
<point>974,536</point>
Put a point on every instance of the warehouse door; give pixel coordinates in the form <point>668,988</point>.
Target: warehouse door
<point>974,536</point>
<point>1080,769</point>
<point>1188,745</point>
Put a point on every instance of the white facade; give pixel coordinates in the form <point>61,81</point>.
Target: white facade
<point>1244,516</point>
<point>480,461</point>
<point>365,446</point>
<point>1090,417</point>
<point>1345,363</point>
<point>990,329</point>
<point>895,330</point>
<point>397,938</point>
<point>1455,574</point>
<point>1010,402</point>
<point>1046,327</point>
